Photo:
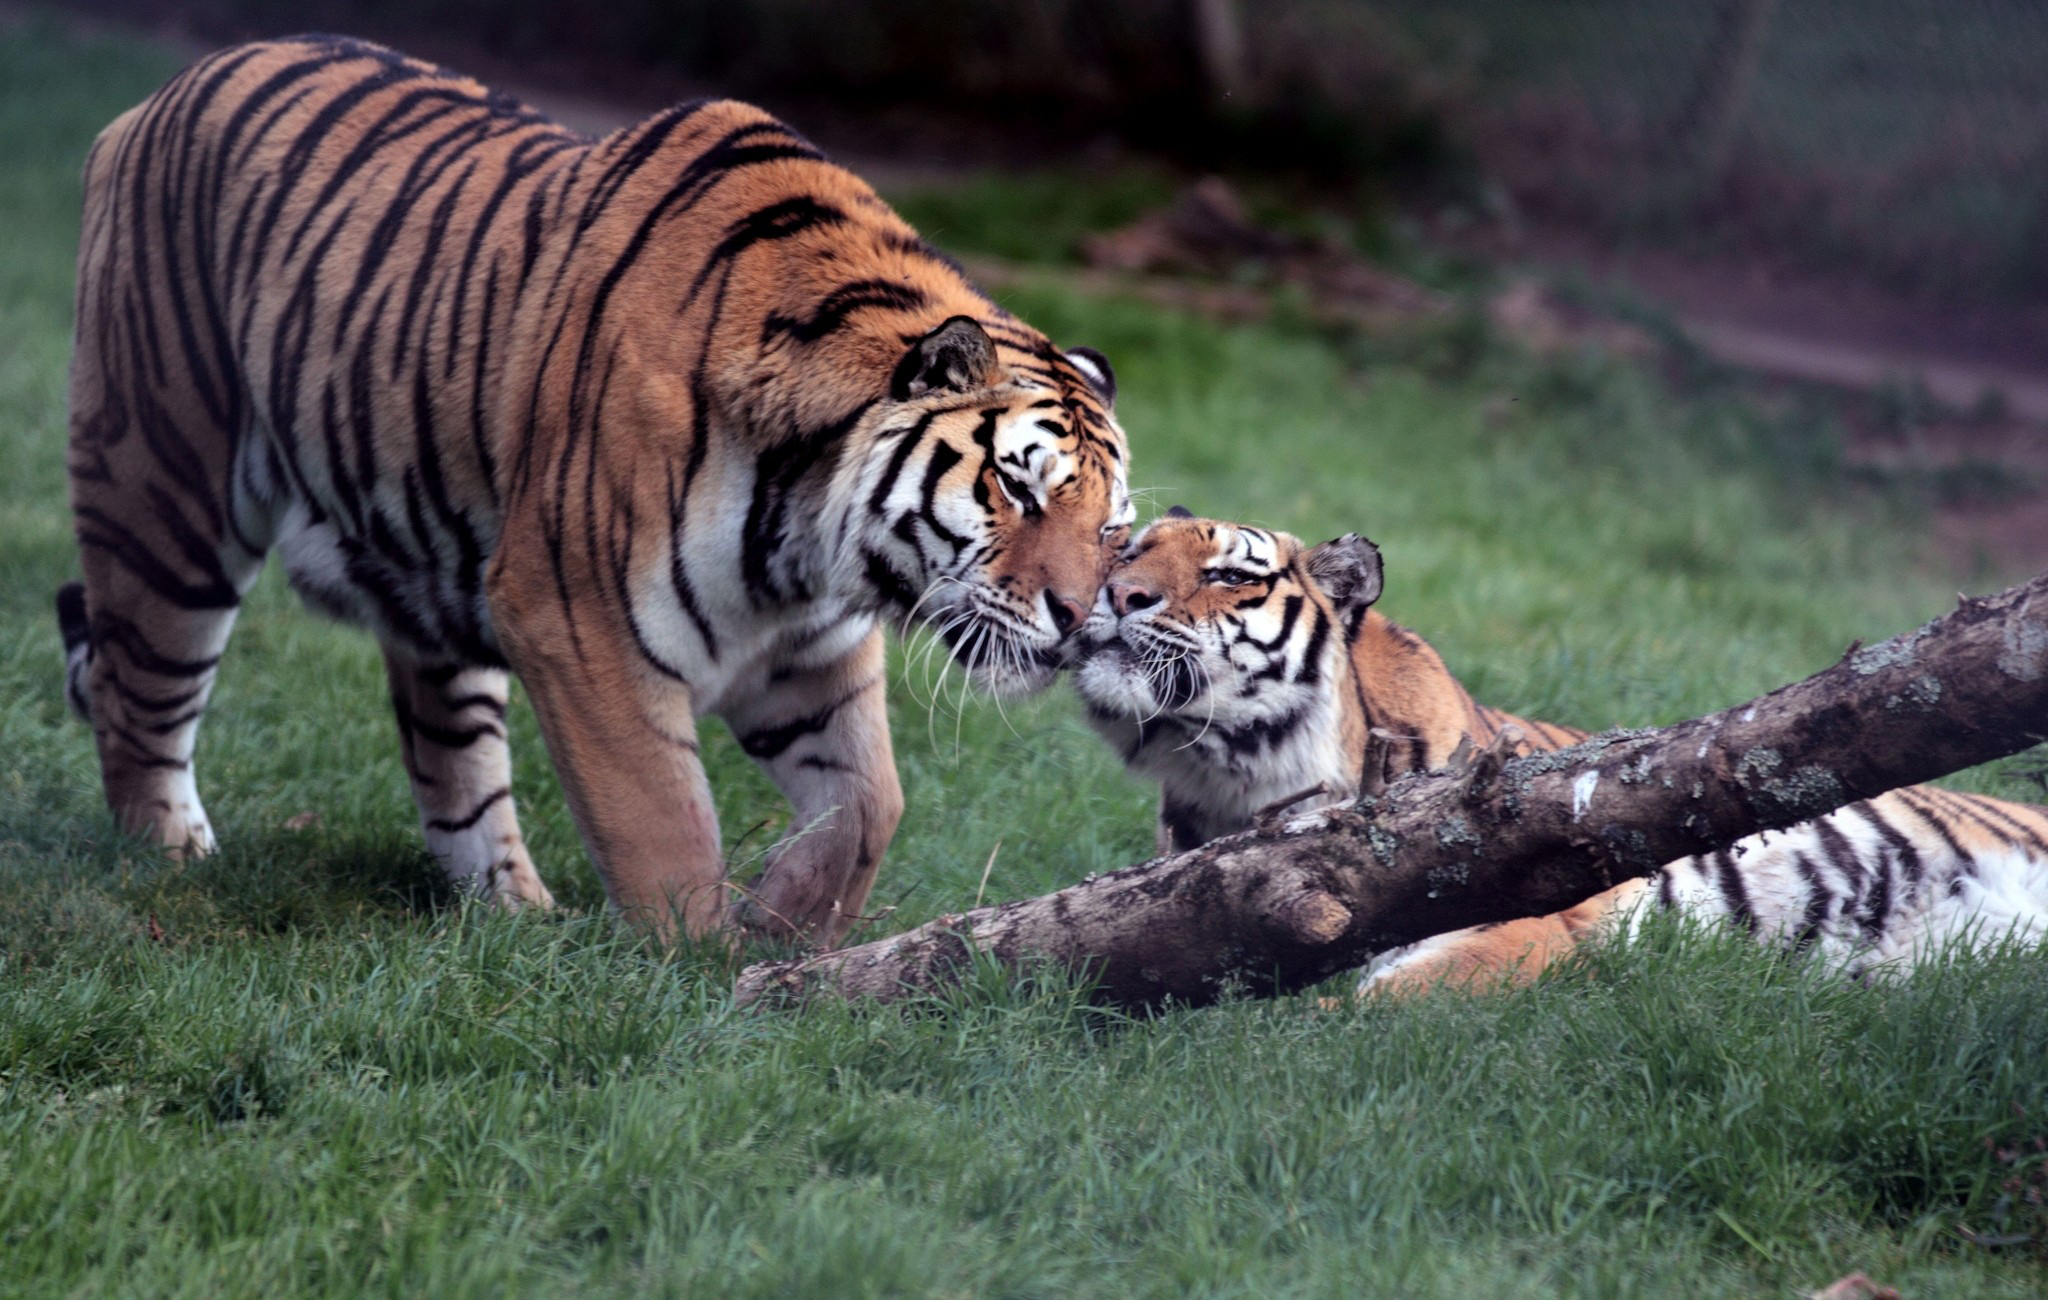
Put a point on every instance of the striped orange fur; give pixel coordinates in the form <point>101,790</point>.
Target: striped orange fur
<point>1239,667</point>
<point>667,423</point>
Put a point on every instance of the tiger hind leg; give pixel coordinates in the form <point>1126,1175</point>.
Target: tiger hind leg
<point>140,666</point>
<point>1508,953</point>
<point>451,723</point>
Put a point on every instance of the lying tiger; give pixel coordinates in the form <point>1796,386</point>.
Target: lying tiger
<point>1239,668</point>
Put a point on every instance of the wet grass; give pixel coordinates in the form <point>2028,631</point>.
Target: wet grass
<point>293,1069</point>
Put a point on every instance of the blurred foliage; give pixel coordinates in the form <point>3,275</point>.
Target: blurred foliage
<point>1328,89</point>
<point>1903,138</point>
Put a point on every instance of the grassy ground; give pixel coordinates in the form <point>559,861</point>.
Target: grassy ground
<point>287,1071</point>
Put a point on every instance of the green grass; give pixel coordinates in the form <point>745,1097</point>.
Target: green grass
<point>286,1070</point>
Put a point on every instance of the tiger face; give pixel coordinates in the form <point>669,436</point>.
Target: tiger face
<point>997,497</point>
<point>1220,626</point>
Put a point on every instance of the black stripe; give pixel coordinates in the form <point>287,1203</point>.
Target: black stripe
<point>387,130</point>
<point>474,815</point>
<point>1877,903</point>
<point>494,704</point>
<point>427,263</point>
<point>455,737</point>
<point>769,743</point>
<point>617,555</point>
<point>780,474</point>
<point>1915,798</point>
<point>646,139</point>
<point>678,575</point>
<point>2017,832</point>
<point>1817,898</point>
<point>776,221</point>
<point>1254,737</point>
<point>1967,810</point>
<point>1840,854</point>
<point>889,584</point>
<point>1312,655</point>
<point>836,306</point>
<point>1902,848</point>
<point>141,755</point>
<point>173,723</point>
<point>894,469</point>
<point>1733,892</point>
<point>943,460</point>
<point>100,531</point>
<point>1290,611</point>
<point>140,702</point>
<point>110,629</point>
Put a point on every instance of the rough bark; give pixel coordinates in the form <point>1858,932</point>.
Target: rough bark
<point>1302,897</point>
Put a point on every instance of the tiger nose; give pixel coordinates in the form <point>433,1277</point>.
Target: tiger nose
<point>1066,612</point>
<point>1127,596</point>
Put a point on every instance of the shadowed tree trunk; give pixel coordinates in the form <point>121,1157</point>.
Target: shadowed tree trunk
<point>1219,42</point>
<point>1301,898</point>
<point>1704,128</point>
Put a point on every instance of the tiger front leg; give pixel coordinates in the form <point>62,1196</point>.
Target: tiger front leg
<point>822,735</point>
<point>623,740</point>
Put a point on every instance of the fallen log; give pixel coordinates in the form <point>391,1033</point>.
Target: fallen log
<point>1302,897</point>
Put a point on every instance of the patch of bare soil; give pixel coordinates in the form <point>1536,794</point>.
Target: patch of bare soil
<point>1973,378</point>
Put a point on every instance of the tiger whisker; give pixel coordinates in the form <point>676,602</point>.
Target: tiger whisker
<point>1202,673</point>
<point>936,688</point>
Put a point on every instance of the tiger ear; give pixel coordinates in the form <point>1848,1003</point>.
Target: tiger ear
<point>1094,368</point>
<point>1179,512</point>
<point>1348,570</point>
<point>958,356</point>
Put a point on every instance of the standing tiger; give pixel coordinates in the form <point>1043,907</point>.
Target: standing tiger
<point>667,423</point>
<point>1240,668</point>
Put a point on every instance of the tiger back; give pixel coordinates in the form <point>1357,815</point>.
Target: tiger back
<point>668,422</point>
<point>1241,668</point>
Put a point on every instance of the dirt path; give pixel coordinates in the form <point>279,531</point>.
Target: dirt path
<point>1832,331</point>
<point>1986,364</point>
<point>1823,360</point>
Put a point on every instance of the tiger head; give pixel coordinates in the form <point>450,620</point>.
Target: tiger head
<point>993,497</point>
<point>1215,660</point>
<point>1220,624</point>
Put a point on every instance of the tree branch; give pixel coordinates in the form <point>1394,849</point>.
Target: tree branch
<point>1301,898</point>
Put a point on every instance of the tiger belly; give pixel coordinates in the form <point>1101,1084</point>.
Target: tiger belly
<point>430,609</point>
<point>1880,884</point>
